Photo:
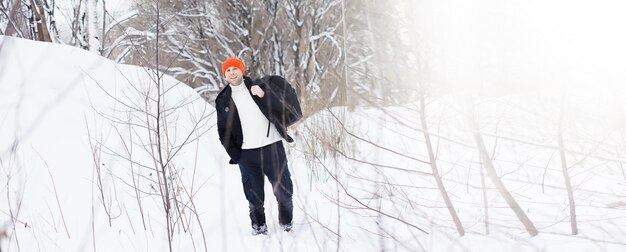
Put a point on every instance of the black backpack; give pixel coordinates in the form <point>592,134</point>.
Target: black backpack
<point>283,101</point>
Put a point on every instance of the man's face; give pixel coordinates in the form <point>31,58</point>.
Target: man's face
<point>233,75</point>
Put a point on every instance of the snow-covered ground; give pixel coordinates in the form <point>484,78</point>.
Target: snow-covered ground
<point>77,168</point>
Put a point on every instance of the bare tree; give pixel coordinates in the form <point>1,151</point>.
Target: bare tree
<point>435,170</point>
<point>566,176</point>
<point>8,20</point>
<point>147,128</point>
<point>296,39</point>
<point>91,23</point>
<point>485,200</point>
<point>491,172</point>
<point>31,19</point>
<point>40,20</point>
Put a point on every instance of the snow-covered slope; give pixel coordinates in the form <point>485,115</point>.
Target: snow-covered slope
<point>72,122</point>
<point>78,171</point>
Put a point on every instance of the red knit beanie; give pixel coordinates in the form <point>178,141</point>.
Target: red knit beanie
<point>233,62</point>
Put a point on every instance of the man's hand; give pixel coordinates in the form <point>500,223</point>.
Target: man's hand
<point>256,90</point>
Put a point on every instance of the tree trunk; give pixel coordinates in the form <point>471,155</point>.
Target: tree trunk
<point>40,21</point>
<point>379,89</point>
<point>104,24</point>
<point>568,184</point>
<point>433,165</point>
<point>13,28</point>
<point>485,202</point>
<point>92,31</point>
<point>343,89</point>
<point>491,172</point>
<point>300,70</point>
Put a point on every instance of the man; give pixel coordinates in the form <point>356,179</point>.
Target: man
<point>254,143</point>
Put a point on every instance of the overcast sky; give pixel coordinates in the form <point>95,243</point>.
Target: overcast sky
<point>526,42</point>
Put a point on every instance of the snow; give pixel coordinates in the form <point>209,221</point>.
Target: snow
<point>74,148</point>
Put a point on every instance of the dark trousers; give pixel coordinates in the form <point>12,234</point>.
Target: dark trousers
<point>270,161</point>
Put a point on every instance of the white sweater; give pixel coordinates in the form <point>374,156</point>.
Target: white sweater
<point>253,122</point>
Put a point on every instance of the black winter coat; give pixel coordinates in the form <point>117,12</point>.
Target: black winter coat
<point>229,124</point>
